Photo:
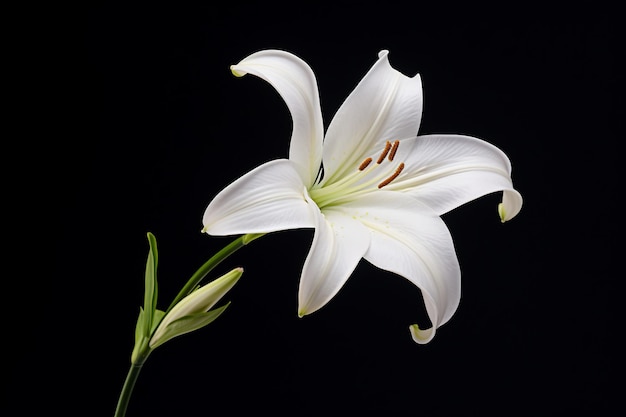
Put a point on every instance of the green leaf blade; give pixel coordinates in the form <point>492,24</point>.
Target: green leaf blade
<point>150,296</point>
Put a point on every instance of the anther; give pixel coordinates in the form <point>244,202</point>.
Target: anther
<point>364,164</point>
<point>393,176</point>
<point>382,156</point>
<point>392,153</point>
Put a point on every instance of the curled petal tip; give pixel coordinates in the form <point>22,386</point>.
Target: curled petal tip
<point>383,53</point>
<point>421,336</point>
<point>510,206</point>
<point>502,212</point>
<point>236,72</point>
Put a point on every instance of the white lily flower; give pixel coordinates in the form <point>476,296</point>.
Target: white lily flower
<point>370,187</point>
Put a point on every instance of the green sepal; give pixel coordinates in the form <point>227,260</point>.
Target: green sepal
<point>189,323</point>
<point>158,316</point>
<point>142,346</point>
<point>141,350</point>
<point>250,237</point>
<point>150,296</point>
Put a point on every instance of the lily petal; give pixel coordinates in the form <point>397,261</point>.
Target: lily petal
<point>447,171</point>
<point>269,198</point>
<point>385,105</point>
<point>409,239</point>
<point>294,80</point>
<point>338,246</point>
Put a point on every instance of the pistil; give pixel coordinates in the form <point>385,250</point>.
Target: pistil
<point>362,181</point>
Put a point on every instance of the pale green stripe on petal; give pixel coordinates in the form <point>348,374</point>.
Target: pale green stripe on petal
<point>338,245</point>
<point>385,105</point>
<point>409,239</point>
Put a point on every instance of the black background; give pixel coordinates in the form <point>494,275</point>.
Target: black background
<point>149,124</point>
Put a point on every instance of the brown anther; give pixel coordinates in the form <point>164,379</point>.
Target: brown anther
<point>393,176</point>
<point>382,156</point>
<point>364,164</point>
<point>394,149</point>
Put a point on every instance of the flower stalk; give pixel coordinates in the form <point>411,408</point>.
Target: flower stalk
<point>208,266</point>
<point>369,186</point>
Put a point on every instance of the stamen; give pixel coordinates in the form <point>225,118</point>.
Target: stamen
<point>393,176</point>
<point>382,156</point>
<point>392,154</point>
<point>364,164</point>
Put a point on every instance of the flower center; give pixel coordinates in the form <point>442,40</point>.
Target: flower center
<point>367,178</point>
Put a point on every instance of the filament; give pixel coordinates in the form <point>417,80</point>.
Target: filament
<point>393,176</point>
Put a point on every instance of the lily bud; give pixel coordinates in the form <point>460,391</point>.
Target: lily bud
<point>192,312</point>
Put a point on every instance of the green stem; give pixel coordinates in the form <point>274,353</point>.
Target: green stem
<point>208,267</point>
<point>131,378</point>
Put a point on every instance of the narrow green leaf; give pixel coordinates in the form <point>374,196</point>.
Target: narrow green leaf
<point>188,324</point>
<point>150,296</point>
